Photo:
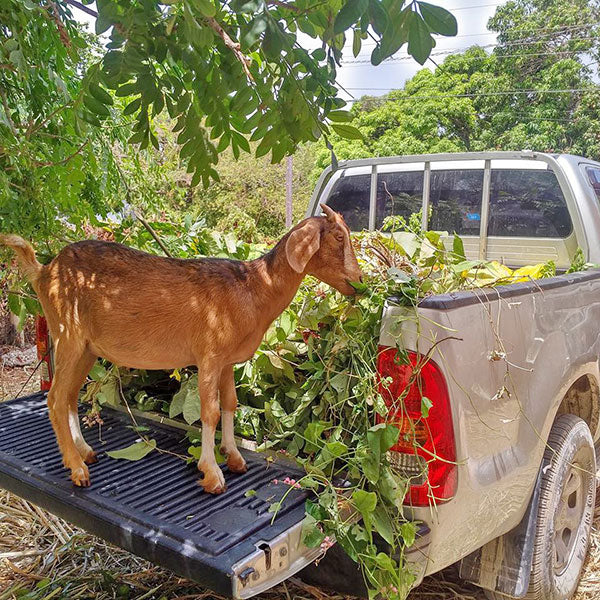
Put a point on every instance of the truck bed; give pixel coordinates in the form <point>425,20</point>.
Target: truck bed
<point>154,507</point>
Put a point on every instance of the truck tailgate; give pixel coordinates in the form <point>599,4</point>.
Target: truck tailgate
<point>155,508</point>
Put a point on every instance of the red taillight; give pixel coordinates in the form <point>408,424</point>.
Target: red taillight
<point>42,341</point>
<point>426,451</point>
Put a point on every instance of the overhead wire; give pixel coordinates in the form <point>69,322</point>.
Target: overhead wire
<point>473,94</point>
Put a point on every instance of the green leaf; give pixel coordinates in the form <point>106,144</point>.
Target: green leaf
<point>337,449</point>
<point>438,19</point>
<point>258,25</point>
<point>97,372</point>
<point>350,13</point>
<point>458,249</point>
<point>364,502</point>
<point>312,536</point>
<point>95,106</point>
<point>206,7</point>
<point>340,115</point>
<point>100,94</point>
<point>420,41</point>
<point>132,107</point>
<point>383,524</point>
<point>408,531</point>
<point>426,404</point>
<point>272,44</point>
<point>348,132</point>
<point>136,451</point>
<point>378,15</point>
<point>356,43</point>
<point>102,24</point>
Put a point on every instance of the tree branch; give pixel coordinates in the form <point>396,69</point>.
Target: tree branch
<point>284,5</point>
<point>83,7</point>
<point>64,160</point>
<point>31,129</point>
<point>233,46</point>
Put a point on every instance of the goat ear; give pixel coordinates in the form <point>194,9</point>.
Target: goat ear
<point>302,244</point>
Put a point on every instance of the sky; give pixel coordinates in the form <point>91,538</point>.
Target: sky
<point>357,79</point>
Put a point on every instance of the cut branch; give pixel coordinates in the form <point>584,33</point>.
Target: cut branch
<point>233,46</point>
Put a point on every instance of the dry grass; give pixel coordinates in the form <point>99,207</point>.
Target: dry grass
<point>44,558</point>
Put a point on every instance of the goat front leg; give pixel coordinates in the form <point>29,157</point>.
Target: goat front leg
<point>228,397</point>
<point>208,380</point>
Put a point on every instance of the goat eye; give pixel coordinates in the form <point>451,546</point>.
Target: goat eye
<point>339,237</point>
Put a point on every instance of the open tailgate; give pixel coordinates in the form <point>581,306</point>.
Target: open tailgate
<point>155,508</point>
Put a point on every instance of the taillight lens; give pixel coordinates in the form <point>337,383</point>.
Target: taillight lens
<point>42,342</point>
<point>426,450</point>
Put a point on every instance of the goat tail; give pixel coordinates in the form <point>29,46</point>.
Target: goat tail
<point>25,255</point>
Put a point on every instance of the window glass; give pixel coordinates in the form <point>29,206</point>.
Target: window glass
<point>527,203</point>
<point>350,197</point>
<point>594,178</point>
<point>455,201</point>
<point>398,194</point>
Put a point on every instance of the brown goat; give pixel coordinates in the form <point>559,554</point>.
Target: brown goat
<point>148,312</point>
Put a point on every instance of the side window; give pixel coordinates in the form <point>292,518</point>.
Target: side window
<point>398,194</point>
<point>455,201</point>
<point>594,179</point>
<point>526,203</point>
<point>350,197</point>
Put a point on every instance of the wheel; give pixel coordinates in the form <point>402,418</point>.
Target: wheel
<point>565,511</point>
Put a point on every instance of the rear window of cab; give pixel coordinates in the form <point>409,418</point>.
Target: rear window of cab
<point>523,202</point>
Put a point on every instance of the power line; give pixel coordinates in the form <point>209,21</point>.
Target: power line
<point>476,6</point>
<point>523,40</point>
<point>367,61</point>
<point>474,94</point>
<point>496,45</point>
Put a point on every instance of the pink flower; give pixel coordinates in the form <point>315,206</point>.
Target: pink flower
<point>292,483</point>
<point>327,543</point>
<point>275,481</point>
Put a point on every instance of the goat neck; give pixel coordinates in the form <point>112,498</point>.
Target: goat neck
<point>276,282</point>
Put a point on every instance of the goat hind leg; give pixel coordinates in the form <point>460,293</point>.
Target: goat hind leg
<point>85,450</point>
<point>71,367</point>
<point>228,397</point>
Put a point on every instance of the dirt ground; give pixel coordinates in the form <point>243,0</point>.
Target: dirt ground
<point>42,557</point>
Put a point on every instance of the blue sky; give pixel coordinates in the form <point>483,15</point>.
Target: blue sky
<point>360,78</point>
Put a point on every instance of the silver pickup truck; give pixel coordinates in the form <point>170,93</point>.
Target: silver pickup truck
<point>514,380</point>
<point>504,477</point>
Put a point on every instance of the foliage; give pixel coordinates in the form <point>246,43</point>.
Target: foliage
<point>227,71</point>
<point>250,198</point>
<point>312,391</point>
<point>53,162</point>
<point>516,97</point>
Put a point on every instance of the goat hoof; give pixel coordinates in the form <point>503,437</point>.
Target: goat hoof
<point>236,464</point>
<point>80,477</point>
<point>213,481</point>
<point>90,458</point>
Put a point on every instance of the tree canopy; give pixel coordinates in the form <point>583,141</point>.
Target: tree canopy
<point>536,89</point>
<point>223,76</point>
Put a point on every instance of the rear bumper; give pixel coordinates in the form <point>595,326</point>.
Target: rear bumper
<point>337,572</point>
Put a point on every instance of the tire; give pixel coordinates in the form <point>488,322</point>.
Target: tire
<point>565,512</point>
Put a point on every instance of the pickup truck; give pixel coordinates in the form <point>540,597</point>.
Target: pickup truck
<point>508,447</point>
